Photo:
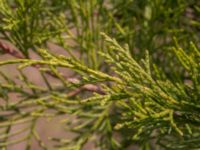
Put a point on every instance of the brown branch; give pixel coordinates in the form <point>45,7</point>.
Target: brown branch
<point>9,50</point>
<point>87,87</point>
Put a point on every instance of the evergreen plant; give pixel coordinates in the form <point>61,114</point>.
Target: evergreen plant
<point>134,70</point>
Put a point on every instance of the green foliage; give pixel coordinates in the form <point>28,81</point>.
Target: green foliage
<point>122,94</point>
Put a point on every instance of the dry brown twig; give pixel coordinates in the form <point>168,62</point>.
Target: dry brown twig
<point>87,87</point>
<point>9,50</point>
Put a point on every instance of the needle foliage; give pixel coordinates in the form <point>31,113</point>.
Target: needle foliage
<point>135,66</point>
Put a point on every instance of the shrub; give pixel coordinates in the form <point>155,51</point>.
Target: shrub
<point>135,69</point>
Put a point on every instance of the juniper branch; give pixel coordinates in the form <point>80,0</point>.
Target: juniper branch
<point>88,87</point>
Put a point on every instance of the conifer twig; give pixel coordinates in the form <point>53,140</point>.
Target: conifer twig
<point>87,87</point>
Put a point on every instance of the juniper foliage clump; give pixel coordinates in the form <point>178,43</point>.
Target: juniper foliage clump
<point>135,69</point>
